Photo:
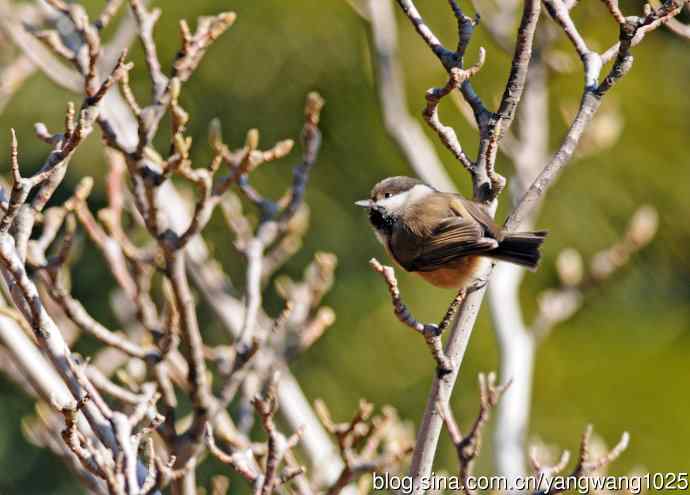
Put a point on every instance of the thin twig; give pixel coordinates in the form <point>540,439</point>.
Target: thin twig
<point>431,333</point>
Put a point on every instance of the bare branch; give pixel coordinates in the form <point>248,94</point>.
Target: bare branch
<point>591,99</point>
<point>194,46</point>
<point>14,75</point>
<point>270,227</point>
<point>487,184</point>
<point>406,131</point>
<point>433,98</point>
<point>679,28</point>
<point>468,446</point>
<point>108,12</point>
<point>237,460</point>
<point>146,21</point>
<point>635,28</point>
<point>384,442</point>
<point>431,333</point>
<point>586,465</point>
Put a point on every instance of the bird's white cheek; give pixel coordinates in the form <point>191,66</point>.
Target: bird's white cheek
<point>394,203</point>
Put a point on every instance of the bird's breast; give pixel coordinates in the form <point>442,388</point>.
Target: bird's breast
<point>455,275</point>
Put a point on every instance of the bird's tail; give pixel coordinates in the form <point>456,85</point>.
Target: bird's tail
<point>521,248</point>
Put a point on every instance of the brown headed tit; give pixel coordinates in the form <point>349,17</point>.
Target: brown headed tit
<point>441,235</point>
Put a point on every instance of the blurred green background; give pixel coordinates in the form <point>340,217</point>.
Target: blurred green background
<point>620,363</point>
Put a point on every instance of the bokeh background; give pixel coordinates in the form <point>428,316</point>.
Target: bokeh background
<point>621,363</point>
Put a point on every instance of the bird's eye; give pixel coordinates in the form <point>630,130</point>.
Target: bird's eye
<point>387,195</point>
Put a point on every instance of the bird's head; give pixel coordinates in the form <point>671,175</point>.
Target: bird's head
<point>389,198</point>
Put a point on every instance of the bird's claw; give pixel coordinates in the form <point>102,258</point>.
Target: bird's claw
<point>478,284</point>
<point>443,369</point>
<point>433,330</point>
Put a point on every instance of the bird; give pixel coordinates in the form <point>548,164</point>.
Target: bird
<point>442,236</point>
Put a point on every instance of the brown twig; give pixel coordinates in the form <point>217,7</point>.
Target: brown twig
<point>237,460</point>
<point>468,446</point>
<point>635,28</point>
<point>433,97</point>
<point>586,465</point>
<point>373,434</point>
<point>431,333</point>
<point>487,184</point>
<point>270,227</point>
<point>402,127</point>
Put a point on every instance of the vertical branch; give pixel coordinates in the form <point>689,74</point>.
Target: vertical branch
<point>442,387</point>
<point>514,87</point>
<point>200,387</point>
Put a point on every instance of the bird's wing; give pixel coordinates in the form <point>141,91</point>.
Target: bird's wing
<point>465,207</point>
<point>452,227</point>
<point>453,238</point>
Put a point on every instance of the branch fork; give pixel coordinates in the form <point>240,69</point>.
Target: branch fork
<point>431,332</point>
<point>587,464</point>
<point>467,446</point>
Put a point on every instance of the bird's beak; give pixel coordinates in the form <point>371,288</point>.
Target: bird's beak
<point>365,203</point>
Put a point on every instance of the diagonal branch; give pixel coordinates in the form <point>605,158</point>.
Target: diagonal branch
<point>431,332</point>
<point>468,446</point>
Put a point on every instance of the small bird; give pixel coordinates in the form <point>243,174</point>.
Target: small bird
<point>441,235</point>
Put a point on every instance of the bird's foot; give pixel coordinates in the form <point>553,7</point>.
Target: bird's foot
<point>478,284</point>
<point>443,369</point>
